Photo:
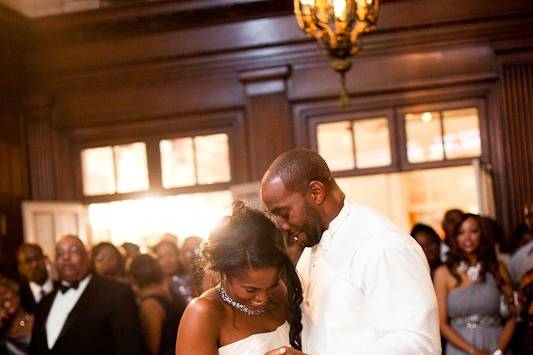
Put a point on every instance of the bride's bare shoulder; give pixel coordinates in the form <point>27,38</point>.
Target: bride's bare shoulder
<point>205,308</point>
<point>199,328</point>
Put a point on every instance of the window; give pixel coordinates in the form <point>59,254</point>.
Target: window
<point>417,196</point>
<point>442,135</point>
<point>176,200</point>
<point>355,144</point>
<point>114,169</point>
<point>412,163</point>
<point>195,160</point>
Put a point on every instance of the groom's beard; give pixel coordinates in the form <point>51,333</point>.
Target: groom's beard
<point>312,227</point>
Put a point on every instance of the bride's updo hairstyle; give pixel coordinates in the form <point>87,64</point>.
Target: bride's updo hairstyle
<point>249,240</point>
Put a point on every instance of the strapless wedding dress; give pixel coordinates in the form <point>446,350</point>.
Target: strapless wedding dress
<point>258,344</point>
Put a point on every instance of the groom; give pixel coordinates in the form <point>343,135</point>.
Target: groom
<point>367,288</point>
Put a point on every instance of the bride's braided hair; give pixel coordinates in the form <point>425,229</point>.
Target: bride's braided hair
<point>249,239</point>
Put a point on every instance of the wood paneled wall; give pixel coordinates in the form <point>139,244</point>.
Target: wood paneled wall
<point>517,129</point>
<point>160,68</point>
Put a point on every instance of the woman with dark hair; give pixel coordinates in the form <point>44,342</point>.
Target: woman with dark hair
<point>169,258</point>
<point>159,315</point>
<point>256,306</point>
<point>430,242</point>
<point>107,261</point>
<point>470,288</point>
<point>15,322</point>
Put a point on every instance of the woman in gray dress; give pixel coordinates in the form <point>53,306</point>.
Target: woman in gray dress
<point>469,288</point>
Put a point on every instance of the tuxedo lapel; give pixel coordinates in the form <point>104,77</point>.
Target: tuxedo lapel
<point>85,300</point>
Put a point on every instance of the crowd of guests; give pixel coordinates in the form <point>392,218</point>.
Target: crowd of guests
<point>116,300</point>
<point>106,300</point>
<point>484,296</point>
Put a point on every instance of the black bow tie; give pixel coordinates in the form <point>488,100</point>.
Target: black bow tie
<point>63,287</point>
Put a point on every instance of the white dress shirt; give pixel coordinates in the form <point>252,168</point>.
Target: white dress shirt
<point>39,291</point>
<point>367,290</point>
<point>61,307</point>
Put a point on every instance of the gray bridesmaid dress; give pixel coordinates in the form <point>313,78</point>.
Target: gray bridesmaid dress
<point>475,313</point>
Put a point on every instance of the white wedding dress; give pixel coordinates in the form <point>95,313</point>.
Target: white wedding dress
<point>258,344</point>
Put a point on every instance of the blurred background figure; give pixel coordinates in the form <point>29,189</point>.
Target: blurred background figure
<point>129,251</point>
<point>495,233</point>
<point>449,221</point>
<point>159,315</point>
<point>522,259</point>
<point>168,256</point>
<point>107,261</point>
<point>469,290</point>
<point>430,242</point>
<point>35,280</point>
<point>190,256</point>
<point>86,314</point>
<point>524,332</point>
<point>15,322</point>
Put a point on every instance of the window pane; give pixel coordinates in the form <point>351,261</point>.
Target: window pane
<point>461,133</point>
<point>413,196</point>
<point>212,158</point>
<point>177,162</point>
<point>98,171</point>
<point>424,141</point>
<point>132,169</point>
<point>144,221</point>
<point>372,144</point>
<point>335,145</point>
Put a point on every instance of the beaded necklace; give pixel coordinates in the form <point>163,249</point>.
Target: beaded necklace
<point>238,306</point>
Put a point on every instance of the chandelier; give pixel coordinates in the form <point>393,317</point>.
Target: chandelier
<point>336,25</point>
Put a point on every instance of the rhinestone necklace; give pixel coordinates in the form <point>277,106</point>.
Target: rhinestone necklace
<point>238,306</point>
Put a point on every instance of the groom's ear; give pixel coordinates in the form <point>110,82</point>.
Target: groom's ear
<point>317,192</point>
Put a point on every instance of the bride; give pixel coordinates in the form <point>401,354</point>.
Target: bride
<point>256,306</point>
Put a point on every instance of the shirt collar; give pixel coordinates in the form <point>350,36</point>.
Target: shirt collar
<point>47,286</point>
<point>334,225</point>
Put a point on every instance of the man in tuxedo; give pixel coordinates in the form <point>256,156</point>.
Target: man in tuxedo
<point>86,314</point>
<point>35,281</point>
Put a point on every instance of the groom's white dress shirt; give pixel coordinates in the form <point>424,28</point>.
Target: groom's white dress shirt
<point>367,290</point>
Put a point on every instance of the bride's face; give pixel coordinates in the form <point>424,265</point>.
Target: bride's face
<point>254,287</point>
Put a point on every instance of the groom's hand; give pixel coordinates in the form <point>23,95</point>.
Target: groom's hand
<point>285,350</point>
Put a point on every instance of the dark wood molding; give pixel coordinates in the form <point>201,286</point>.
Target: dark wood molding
<point>516,127</point>
<point>152,17</point>
<point>267,113</point>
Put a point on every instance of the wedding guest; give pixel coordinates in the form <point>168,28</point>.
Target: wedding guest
<point>160,317</point>
<point>470,288</point>
<point>86,314</point>
<point>15,322</point>
<point>449,221</point>
<point>35,279</point>
<point>430,242</point>
<point>168,256</point>
<point>108,262</point>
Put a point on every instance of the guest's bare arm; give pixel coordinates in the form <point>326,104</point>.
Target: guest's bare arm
<point>199,329</point>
